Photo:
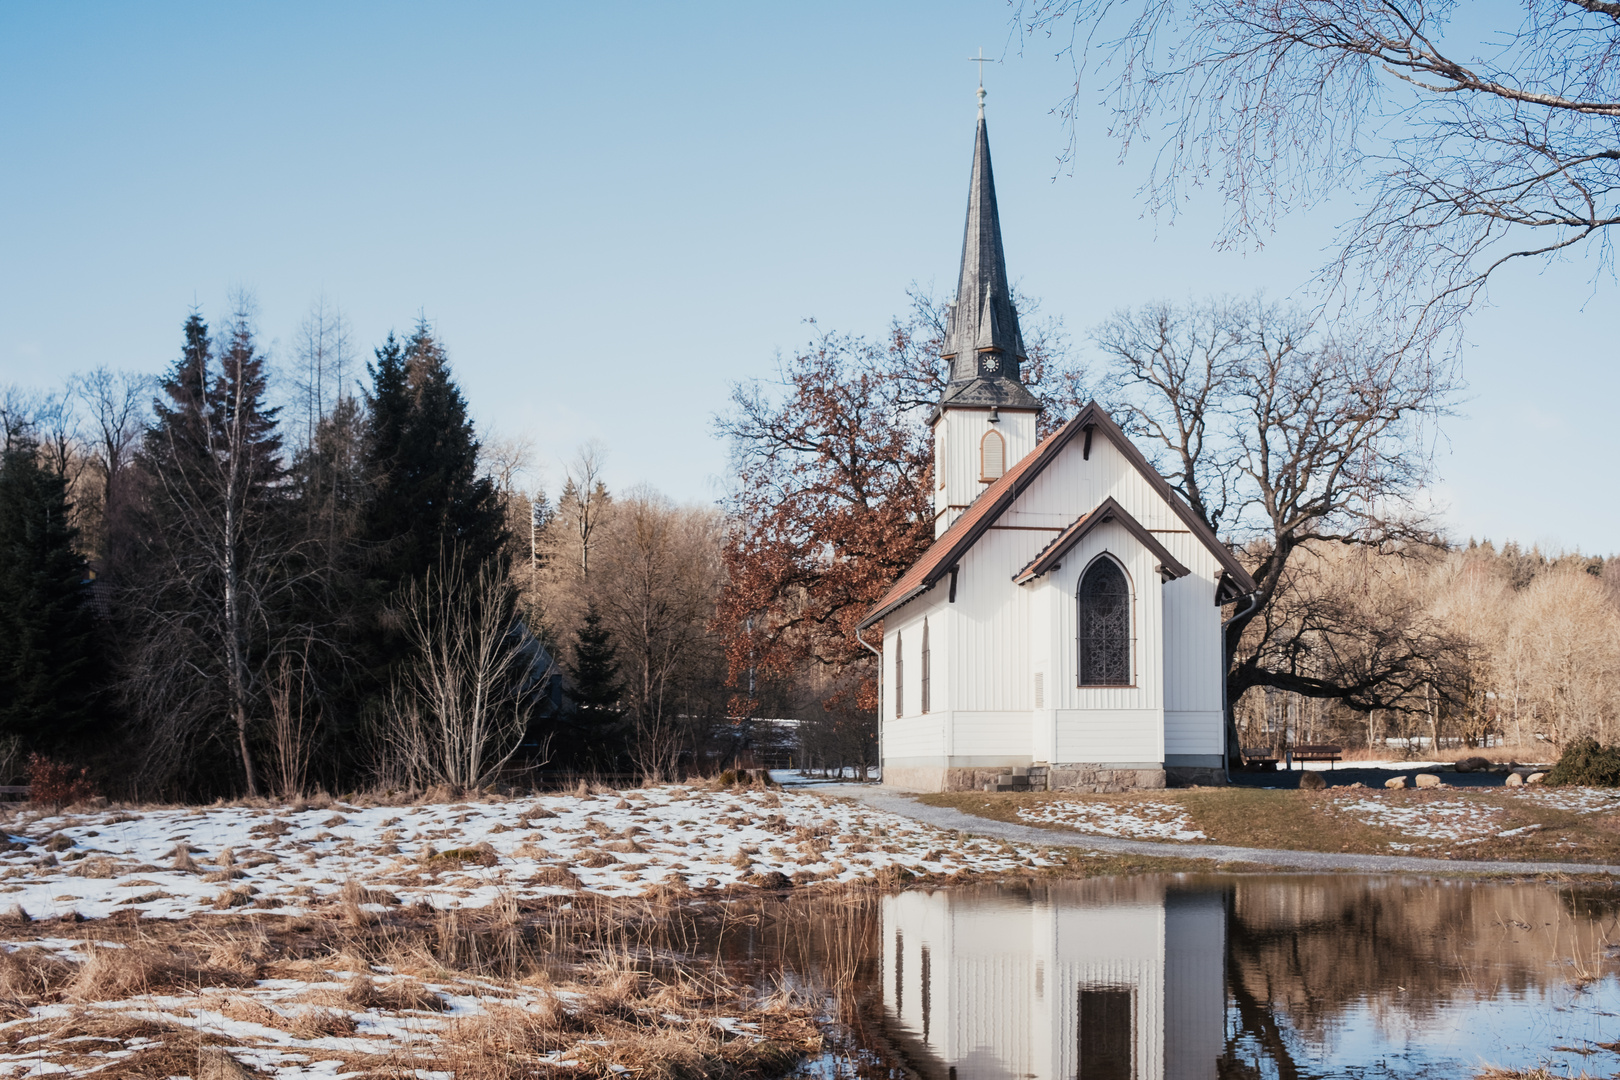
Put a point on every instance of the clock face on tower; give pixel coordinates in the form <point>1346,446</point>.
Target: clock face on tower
<point>991,363</point>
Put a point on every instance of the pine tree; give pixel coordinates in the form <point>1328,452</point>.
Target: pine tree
<point>595,736</point>
<point>47,633</point>
<point>422,460</point>
<point>209,605</point>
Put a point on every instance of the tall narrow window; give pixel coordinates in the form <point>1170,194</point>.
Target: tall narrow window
<point>899,679</point>
<point>1105,626</point>
<point>992,456</point>
<point>927,671</point>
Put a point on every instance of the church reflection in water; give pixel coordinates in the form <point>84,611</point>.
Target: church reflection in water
<point>1117,980</point>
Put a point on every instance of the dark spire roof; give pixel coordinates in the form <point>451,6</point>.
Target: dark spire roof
<point>982,342</point>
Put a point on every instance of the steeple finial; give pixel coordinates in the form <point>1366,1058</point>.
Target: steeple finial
<point>981,60</point>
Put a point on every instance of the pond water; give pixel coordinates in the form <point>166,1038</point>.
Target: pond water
<point>1192,977</point>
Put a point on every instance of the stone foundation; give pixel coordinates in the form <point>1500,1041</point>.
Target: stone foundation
<point>1100,779</point>
<point>972,779</point>
<point>1096,779</point>
<point>1194,776</point>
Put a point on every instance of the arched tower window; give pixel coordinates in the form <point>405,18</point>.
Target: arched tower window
<point>1105,625</point>
<point>992,456</point>
<point>927,671</point>
<point>899,678</point>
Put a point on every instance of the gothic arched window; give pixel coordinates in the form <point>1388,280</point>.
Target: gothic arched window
<point>992,456</point>
<point>899,678</point>
<point>927,671</point>
<point>1105,626</point>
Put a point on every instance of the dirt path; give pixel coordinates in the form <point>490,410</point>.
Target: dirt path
<point>950,818</point>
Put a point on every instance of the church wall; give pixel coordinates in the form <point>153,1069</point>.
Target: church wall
<point>915,746</point>
<point>1189,676</point>
<point>957,436</point>
<point>990,647</point>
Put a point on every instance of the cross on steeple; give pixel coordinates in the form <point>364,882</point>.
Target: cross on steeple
<point>982,60</point>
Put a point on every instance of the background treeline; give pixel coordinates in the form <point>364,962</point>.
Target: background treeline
<point>240,578</point>
<point>1456,647</point>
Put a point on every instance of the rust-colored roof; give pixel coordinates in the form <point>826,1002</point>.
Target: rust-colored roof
<point>947,551</point>
<point>964,532</point>
<point>1108,510</point>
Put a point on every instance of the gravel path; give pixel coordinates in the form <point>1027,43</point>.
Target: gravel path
<point>945,817</point>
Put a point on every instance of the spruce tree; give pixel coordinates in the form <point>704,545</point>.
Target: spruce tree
<point>47,632</point>
<point>424,499</point>
<point>422,460</point>
<point>217,566</point>
<point>595,736</point>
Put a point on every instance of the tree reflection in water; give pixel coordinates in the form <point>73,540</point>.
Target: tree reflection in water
<point>1186,978</point>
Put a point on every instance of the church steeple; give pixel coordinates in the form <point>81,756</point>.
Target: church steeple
<point>983,344</point>
<point>985,422</point>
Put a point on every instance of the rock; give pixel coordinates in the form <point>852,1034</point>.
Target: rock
<point>1473,764</point>
<point>1428,779</point>
<point>1358,784</point>
<point>1514,780</point>
<point>1395,782</point>
<point>1312,781</point>
<point>1535,778</point>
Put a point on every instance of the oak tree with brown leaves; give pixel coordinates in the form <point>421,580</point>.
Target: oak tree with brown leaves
<point>832,496</point>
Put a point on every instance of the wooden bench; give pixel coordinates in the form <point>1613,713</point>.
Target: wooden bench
<point>1330,754</point>
<point>1259,758</point>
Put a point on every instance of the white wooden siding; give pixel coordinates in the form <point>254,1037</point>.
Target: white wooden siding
<point>1104,736</point>
<point>962,431</point>
<point>1194,733</point>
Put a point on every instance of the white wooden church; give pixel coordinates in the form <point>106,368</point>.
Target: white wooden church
<point>1066,622</point>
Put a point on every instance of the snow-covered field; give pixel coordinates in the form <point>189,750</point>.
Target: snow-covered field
<point>1422,818</point>
<point>174,863</point>
<point>309,990</point>
<point>1132,821</point>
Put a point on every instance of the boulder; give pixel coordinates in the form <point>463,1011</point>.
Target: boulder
<point>1473,764</point>
<point>1535,778</point>
<point>1312,781</point>
<point>1428,779</point>
<point>1395,782</point>
<point>1514,780</point>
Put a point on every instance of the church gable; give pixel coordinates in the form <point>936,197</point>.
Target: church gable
<point>1055,487</point>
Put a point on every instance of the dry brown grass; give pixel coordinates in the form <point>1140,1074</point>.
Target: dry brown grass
<point>572,976</point>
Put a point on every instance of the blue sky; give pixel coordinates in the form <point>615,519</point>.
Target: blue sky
<point>613,212</point>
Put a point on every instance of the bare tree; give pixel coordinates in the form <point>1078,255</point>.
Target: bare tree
<point>656,586</point>
<point>1282,438</point>
<point>458,712</point>
<point>324,352</point>
<point>117,403</point>
<point>506,458</point>
<point>1468,146</point>
<point>585,499</point>
<point>294,716</point>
